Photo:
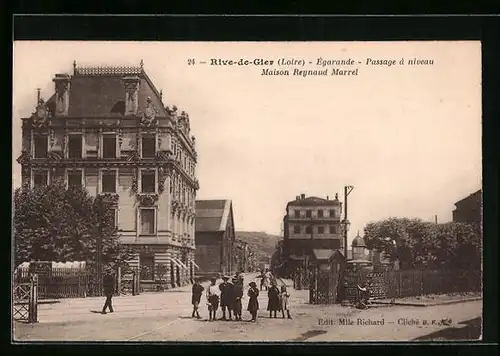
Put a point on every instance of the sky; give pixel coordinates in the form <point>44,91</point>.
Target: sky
<point>408,138</point>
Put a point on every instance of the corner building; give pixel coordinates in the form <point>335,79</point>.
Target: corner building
<point>310,224</point>
<point>106,128</point>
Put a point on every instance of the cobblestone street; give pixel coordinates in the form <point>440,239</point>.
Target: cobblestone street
<point>166,317</point>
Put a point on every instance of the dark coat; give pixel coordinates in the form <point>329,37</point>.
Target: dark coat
<point>108,284</point>
<point>253,302</point>
<point>226,294</point>
<point>237,295</point>
<point>197,291</point>
<point>273,296</point>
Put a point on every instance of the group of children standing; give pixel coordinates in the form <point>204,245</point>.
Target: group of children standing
<point>229,294</point>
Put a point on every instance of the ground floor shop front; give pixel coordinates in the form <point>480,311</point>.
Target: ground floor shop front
<point>162,267</point>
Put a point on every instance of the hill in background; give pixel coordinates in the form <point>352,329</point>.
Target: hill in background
<point>262,243</point>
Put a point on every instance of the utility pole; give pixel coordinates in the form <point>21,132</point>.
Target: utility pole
<point>347,190</point>
<point>345,227</point>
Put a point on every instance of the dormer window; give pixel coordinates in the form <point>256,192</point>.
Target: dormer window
<point>40,146</point>
<point>148,146</point>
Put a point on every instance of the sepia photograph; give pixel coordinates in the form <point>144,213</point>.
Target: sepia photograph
<point>246,191</point>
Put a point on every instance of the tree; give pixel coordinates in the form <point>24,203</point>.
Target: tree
<point>416,243</point>
<point>53,223</point>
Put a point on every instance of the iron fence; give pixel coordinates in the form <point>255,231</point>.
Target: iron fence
<point>411,283</point>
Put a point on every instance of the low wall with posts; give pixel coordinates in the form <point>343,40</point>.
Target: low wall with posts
<point>412,283</point>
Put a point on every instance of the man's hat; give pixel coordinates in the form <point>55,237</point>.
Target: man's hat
<point>252,284</point>
<point>225,277</point>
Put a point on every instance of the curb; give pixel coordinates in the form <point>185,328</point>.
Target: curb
<point>48,301</point>
<point>430,304</point>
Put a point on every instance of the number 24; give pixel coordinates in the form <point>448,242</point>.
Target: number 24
<point>191,61</point>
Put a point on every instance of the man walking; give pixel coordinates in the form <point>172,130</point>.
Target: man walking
<point>109,289</point>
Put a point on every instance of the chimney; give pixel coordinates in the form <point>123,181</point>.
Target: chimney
<point>297,197</point>
<point>302,196</point>
<point>131,94</point>
<point>327,197</point>
<point>62,83</point>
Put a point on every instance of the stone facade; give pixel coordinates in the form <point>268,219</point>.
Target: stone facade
<point>106,129</point>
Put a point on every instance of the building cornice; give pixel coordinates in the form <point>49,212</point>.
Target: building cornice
<point>168,164</point>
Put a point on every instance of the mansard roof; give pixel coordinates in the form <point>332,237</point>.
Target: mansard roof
<point>97,91</point>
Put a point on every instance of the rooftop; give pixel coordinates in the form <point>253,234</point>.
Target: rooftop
<point>212,215</point>
<point>302,200</point>
<point>99,91</point>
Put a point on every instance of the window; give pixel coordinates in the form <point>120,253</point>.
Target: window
<point>320,213</point>
<point>308,213</point>
<point>148,182</point>
<point>75,178</point>
<point>321,229</point>
<point>296,229</point>
<point>333,229</point>
<point>148,144</point>
<point>332,213</point>
<point>309,230</point>
<point>297,213</point>
<point>147,263</point>
<point>114,215</point>
<point>109,146</point>
<point>41,146</point>
<point>108,181</point>
<point>40,178</point>
<point>75,146</point>
<point>148,222</point>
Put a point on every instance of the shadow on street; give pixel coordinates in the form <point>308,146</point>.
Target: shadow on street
<point>472,331</point>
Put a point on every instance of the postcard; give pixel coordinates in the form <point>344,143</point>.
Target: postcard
<point>247,191</point>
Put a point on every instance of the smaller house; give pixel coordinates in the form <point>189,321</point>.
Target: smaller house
<point>469,209</point>
<point>214,237</point>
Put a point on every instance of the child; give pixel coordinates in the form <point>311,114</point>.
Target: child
<point>237,295</point>
<point>196,296</point>
<point>284,302</point>
<point>253,302</point>
<point>273,304</point>
<point>213,296</point>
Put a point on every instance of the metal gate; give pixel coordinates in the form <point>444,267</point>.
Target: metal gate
<point>25,300</point>
<point>323,288</point>
<point>128,281</point>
